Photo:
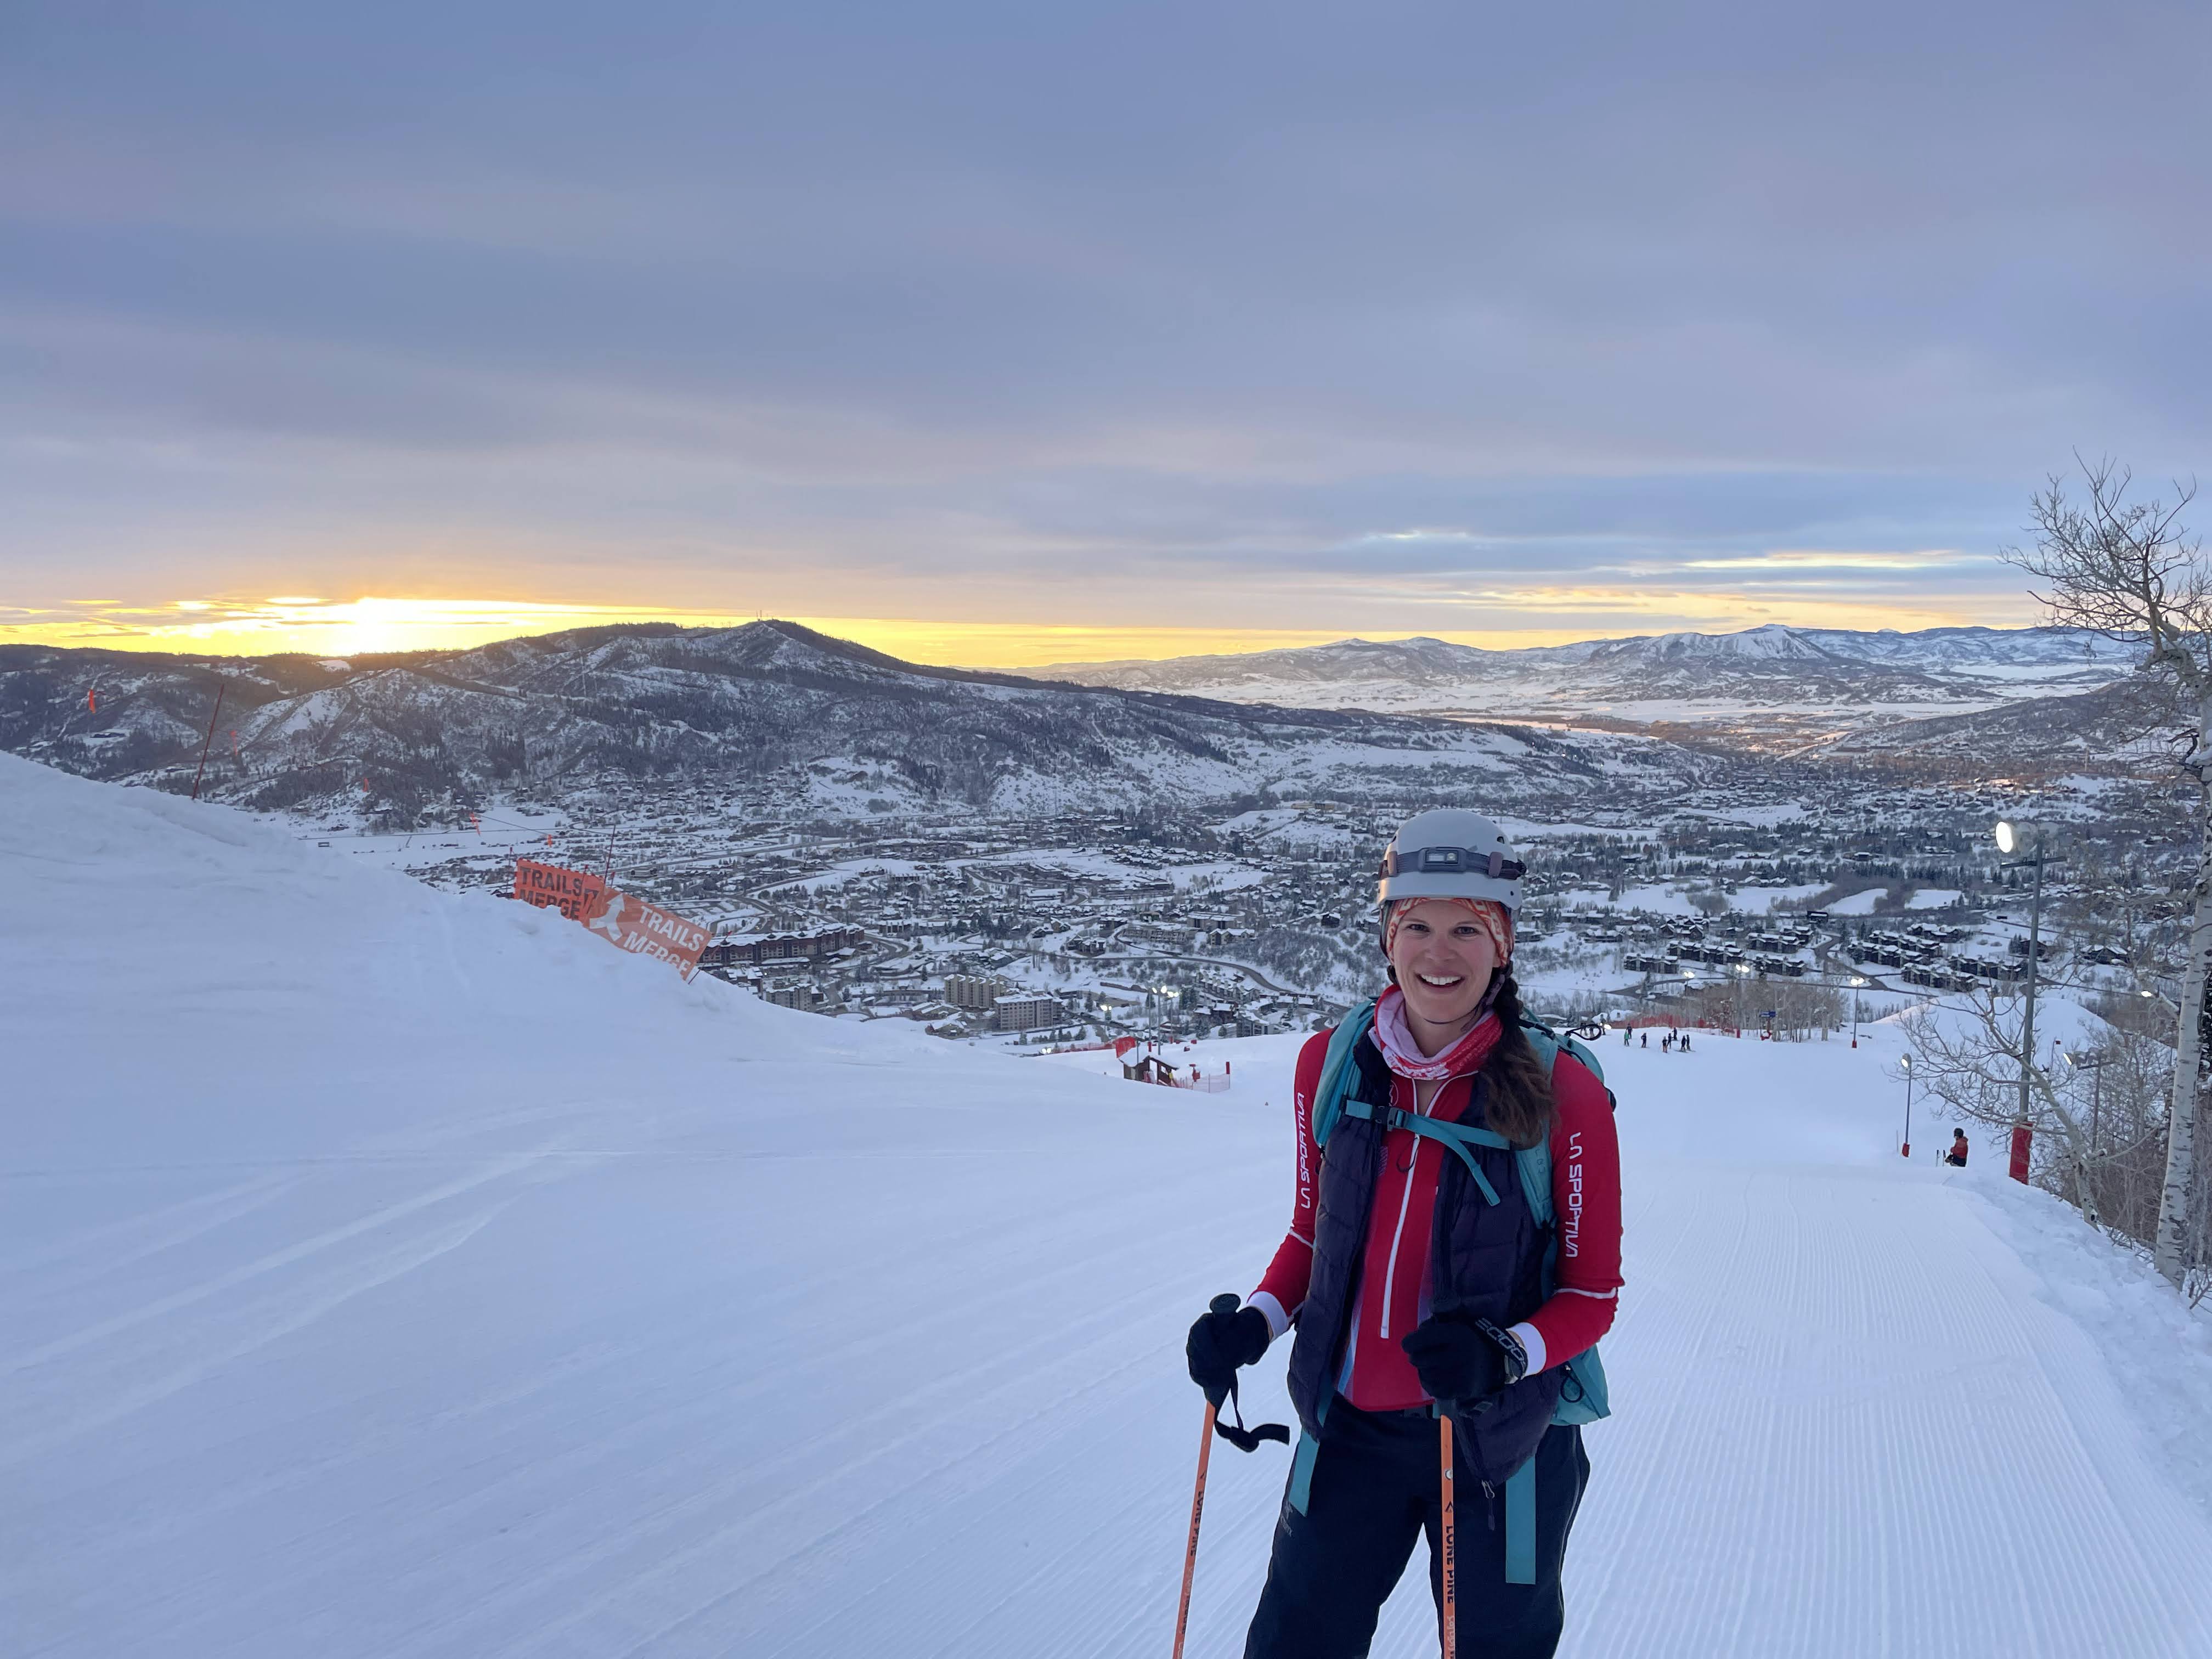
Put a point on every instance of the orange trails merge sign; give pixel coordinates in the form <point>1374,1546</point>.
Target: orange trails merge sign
<point>619,918</point>
<point>575,893</point>
<point>648,930</point>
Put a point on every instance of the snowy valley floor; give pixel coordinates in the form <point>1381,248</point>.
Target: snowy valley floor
<point>393,1274</point>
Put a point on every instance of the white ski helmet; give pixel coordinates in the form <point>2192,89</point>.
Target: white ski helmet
<point>1451,852</point>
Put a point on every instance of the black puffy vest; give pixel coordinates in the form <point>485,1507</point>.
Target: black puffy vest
<point>1487,1259</point>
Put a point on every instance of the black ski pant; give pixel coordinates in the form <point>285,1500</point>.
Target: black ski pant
<point>1375,1489</point>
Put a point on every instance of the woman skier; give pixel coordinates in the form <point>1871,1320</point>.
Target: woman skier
<point>1416,1287</point>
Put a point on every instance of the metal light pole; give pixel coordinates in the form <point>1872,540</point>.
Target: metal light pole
<point>1906,1144</point>
<point>2022,1133</point>
<point>1855,983</point>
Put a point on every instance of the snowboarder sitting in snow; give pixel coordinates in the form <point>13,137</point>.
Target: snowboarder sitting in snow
<point>1418,1286</point>
<point>1957,1156</point>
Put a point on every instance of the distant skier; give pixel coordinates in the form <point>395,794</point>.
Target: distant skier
<point>1686,1042</point>
<point>1957,1156</point>
<point>1411,1283</point>
<point>1646,1043</point>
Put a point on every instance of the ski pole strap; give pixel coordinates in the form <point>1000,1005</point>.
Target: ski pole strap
<point>1246,1439</point>
<point>1520,1524</point>
<point>1458,1136</point>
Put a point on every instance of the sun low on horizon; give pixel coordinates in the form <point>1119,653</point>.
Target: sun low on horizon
<point>373,625</point>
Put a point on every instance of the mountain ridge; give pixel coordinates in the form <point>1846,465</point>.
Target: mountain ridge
<point>807,724</point>
<point>1651,678</point>
<point>813,723</point>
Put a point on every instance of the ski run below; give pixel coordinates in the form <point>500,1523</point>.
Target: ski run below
<point>403,1275</point>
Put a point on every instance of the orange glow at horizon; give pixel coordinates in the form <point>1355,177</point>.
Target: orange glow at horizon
<point>372,625</point>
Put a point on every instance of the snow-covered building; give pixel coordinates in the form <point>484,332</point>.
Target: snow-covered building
<point>1026,1011</point>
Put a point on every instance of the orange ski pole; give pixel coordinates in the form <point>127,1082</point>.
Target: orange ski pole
<point>1223,1303</point>
<point>1190,1548</point>
<point>1447,1571</point>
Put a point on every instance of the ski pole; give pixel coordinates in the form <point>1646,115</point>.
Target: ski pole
<point>1190,1548</point>
<point>1447,1532</point>
<point>1223,1303</point>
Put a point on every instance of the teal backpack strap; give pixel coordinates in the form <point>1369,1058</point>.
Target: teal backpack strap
<point>1301,1468</point>
<point>1583,1397</point>
<point>1547,1043</point>
<point>1535,1163</point>
<point>1458,1136</point>
<point>1301,1461</point>
<point>1544,1039</point>
<point>1520,1524</point>
<point>1339,1071</point>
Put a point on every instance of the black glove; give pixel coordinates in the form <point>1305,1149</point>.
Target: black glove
<point>1222,1341</point>
<point>1461,1359</point>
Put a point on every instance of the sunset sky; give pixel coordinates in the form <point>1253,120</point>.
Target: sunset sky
<point>1005,334</point>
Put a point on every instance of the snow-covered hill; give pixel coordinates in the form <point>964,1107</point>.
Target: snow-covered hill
<point>393,1273</point>
<point>1760,674</point>
<point>2127,722</point>
<point>822,727</point>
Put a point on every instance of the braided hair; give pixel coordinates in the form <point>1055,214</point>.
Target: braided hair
<point>1519,1105</point>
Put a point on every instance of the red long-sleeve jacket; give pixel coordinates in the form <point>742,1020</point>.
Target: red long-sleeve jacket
<point>1393,1295</point>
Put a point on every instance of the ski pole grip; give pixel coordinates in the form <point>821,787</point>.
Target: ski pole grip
<point>1227,1303</point>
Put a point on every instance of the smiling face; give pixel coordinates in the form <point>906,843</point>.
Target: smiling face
<point>1445,957</point>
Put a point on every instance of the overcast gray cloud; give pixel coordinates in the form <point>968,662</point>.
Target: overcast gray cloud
<point>1245,312</point>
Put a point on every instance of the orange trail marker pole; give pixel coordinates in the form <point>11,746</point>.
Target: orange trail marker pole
<point>1190,1548</point>
<point>1447,1532</point>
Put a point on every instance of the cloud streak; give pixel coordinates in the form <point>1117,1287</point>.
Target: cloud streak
<point>1263,318</point>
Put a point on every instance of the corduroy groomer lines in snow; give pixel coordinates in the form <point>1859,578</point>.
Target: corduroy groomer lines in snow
<point>397,1274</point>
<point>1424,1276</point>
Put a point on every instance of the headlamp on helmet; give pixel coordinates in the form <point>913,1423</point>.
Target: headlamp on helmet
<point>1451,852</point>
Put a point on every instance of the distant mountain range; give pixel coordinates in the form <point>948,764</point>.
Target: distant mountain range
<point>801,724</point>
<point>1769,676</point>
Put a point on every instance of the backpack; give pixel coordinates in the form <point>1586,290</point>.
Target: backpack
<point>1582,1396</point>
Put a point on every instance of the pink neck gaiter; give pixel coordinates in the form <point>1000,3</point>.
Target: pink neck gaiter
<point>1395,1037</point>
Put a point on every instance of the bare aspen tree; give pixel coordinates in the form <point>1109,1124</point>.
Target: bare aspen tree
<point>1971,1064</point>
<point>2128,570</point>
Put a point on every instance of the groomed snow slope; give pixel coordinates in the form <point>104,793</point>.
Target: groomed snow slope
<point>392,1273</point>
